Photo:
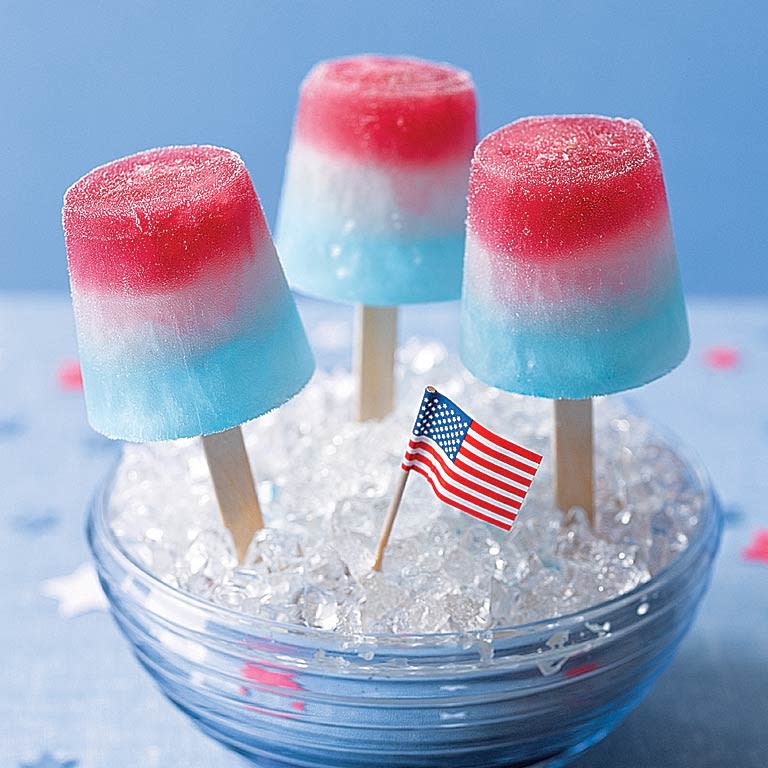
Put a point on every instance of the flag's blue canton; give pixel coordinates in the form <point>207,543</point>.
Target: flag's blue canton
<point>442,420</point>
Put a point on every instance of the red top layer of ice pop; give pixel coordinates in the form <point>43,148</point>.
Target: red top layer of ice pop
<point>388,109</point>
<point>151,221</point>
<point>547,187</point>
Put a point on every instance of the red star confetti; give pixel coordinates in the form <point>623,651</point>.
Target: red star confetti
<point>757,551</point>
<point>582,669</point>
<point>270,677</point>
<point>69,376</point>
<point>722,358</point>
<point>266,677</point>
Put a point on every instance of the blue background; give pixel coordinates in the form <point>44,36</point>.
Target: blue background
<point>83,83</point>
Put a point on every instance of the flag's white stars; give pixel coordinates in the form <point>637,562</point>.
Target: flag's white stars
<point>78,592</point>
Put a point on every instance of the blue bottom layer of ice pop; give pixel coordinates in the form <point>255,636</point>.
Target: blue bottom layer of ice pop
<point>612,351</point>
<point>159,398</point>
<point>370,270</point>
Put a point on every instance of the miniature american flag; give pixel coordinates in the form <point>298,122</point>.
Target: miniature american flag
<point>468,466</point>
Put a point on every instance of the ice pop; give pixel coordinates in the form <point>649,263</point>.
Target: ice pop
<point>373,202</point>
<point>571,284</point>
<point>374,197</point>
<point>184,319</point>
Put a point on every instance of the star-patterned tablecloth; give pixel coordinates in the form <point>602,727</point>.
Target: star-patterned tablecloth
<point>72,696</point>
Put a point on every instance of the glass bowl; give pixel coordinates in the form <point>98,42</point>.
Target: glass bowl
<point>534,694</point>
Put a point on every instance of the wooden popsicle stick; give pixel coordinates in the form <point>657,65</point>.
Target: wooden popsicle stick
<point>572,447</point>
<point>234,487</point>
<point>386,530</point>
<point>375,345</point>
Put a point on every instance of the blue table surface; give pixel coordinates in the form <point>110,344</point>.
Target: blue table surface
<point>72,695</point>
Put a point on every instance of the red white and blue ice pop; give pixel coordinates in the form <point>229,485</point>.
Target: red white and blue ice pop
<point>571,283</point>
<point>374,198</point>
<point>184,319</point>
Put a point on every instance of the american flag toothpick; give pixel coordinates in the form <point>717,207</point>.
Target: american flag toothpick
<point>468,466</point>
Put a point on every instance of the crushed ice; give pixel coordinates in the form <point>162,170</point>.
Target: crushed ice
<point>324,483</point>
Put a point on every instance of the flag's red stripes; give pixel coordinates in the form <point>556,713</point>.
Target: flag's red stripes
<point>506,444</point>
<point>414,458</point>
<point>486,477</point>
<point>490,466</point>
<point>452,503</point>
<point>496,456</point>
<point>459,479</point>
<point>451,470</point>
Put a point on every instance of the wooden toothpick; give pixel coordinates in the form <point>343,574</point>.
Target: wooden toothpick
<point>386,530</point>
<point>394,508</point>
<point>375,345</point>
<point>572,448</point>
<point>234,487</point>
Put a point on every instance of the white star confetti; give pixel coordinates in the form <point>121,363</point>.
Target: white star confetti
<point>78,592</point>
